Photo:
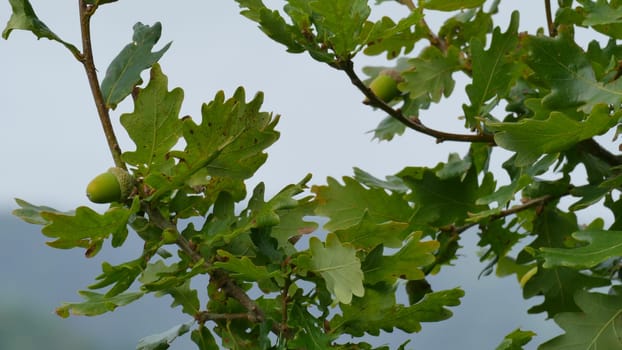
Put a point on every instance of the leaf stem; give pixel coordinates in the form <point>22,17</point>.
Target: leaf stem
<point>86,11</point>
<point>411,122</point>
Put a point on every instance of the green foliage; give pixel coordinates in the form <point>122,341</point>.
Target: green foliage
<point>494,71</point>
<point>24,17</point>
<point>598,326</point>
<point>339,267</point>
<point>123,73</point>
<point>602,246</point>
<point>155,124</point>
<point>162,340</point>
<point>274,280</point>
<point>516,340</point>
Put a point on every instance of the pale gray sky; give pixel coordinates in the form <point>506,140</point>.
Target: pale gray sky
<point>51,144</point>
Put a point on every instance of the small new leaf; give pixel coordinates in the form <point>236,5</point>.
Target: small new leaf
<point>123,73</point>
<point>338,265</point>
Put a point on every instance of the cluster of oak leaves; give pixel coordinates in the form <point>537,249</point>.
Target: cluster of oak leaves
<point>274,280</point>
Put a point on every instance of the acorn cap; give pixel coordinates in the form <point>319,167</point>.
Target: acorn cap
<point>126,181</point>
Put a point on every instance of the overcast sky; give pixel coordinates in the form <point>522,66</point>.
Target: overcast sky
<point>51,143</point>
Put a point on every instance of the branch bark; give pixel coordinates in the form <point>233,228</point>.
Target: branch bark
<point>86,12</point>
<point>219,277</point>
<point>411,122</point>
<point>549,19</point>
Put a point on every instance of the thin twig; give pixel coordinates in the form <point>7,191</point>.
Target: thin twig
<point>205,316</point>
<point>456,231</point>
<point>549,19</point>
<point>86,11</point>
<point>594,148</point>
<point>434,39</point>
<point>513,210</point>
<point>408,3</point>
<point>219,277</point>
<point>412,122</point>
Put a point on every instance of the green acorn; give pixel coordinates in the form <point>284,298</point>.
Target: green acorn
<point>384,85</point>
<point>115,185</point>
<point>169,236</point>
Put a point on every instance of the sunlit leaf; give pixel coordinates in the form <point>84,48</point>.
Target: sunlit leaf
<point>338,265</point>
